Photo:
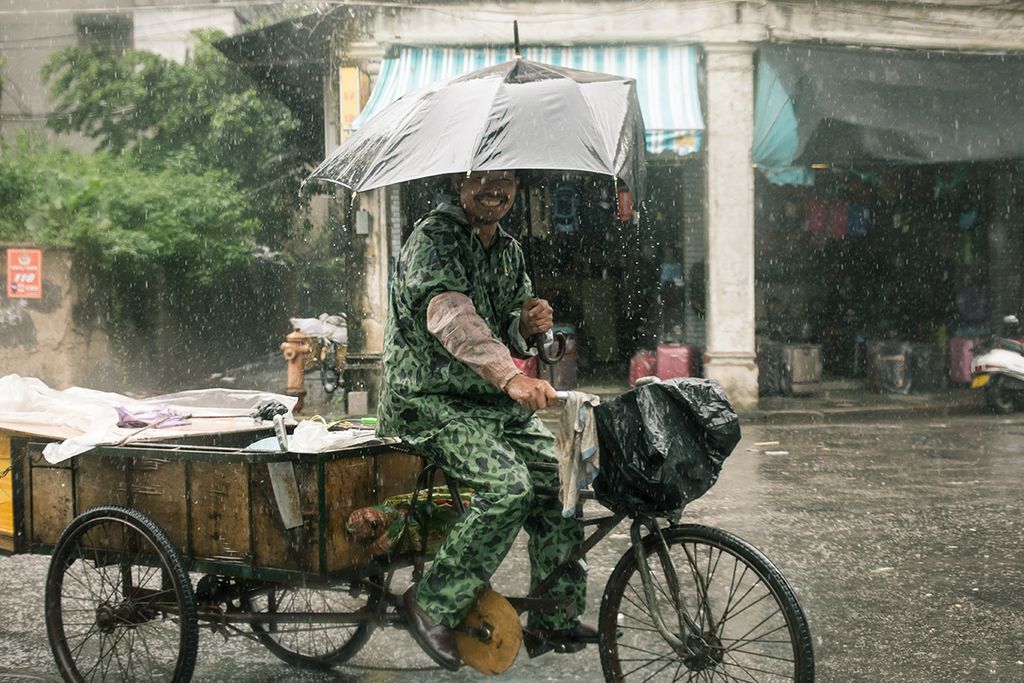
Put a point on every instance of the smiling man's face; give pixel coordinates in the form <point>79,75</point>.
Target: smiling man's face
<point>487,197</point>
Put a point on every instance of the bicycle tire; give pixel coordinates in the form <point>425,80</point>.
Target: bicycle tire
<point>129,581</point>
<point>720,565</point>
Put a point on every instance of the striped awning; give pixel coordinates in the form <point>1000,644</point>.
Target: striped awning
<point>666,81</point>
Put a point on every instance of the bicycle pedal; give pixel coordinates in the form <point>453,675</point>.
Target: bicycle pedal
<point>537,646</point>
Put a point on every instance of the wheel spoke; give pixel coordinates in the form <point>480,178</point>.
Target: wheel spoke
<point>659,655</point>
<point>636,604</point>
<point>757,626</point>
<point>726,613</point>
<point>85,638</point>
<point>759,639</point>
<point>642,666</point>
<point>728,676</point>
<point>788,660</point>
<point>149,654</point>
<point>667,665</point>
<point>751,629</point>
<point>105,592</point>
<point>750,670</point>
<point>764,596</point>
<point>131,651</point>
<point>734,584</point>
<point>702,592</point>
<point>312,641</point>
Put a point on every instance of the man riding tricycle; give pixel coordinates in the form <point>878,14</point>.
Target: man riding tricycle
<point>684,602</point>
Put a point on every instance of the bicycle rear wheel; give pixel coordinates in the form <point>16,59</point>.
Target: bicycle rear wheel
<point>751,625</point>
<point>314,643</point>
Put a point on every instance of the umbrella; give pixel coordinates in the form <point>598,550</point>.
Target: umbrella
<point>520,115</point>
<point>517,115</point>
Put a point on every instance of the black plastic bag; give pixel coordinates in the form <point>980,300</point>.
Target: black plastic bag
<point>663,444</point>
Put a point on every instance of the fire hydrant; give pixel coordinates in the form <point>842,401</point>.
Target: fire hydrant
<point>295,349</point>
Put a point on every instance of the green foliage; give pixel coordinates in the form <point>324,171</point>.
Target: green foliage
<point>197,116</point>
<point>168,233</point>
<point>184,219</point>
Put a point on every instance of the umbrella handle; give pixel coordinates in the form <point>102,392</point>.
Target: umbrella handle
<point>538,341</point>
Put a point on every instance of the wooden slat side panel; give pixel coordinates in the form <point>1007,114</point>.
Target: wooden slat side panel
<point>348,484</point>
<point>51,508</point>
<point>158,491</point>
<point>100,481</point>
<point>277,547</point>
<point>220,511</point>
<point>398,473</point>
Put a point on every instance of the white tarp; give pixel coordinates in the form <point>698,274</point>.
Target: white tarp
<point>86,418</point>
<point>314,436</point>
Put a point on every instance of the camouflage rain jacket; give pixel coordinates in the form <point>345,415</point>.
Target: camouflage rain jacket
<point>424,387</point>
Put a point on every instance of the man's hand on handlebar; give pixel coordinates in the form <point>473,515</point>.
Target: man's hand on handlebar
<point>532,394</point>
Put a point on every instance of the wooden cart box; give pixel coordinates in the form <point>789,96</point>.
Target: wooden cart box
<point>217,505</point>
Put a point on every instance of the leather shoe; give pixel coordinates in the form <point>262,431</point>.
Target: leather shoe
<point>541,641</point>
<point>436,639</point>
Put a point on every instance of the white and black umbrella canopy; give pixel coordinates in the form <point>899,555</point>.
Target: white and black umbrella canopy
<point>518,115</point>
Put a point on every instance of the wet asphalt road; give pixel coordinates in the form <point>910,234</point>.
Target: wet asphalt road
<point>904,541</point>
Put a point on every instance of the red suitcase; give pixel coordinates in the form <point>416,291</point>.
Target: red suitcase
<point>676,361</point>
<point>642,364</point>
<point>961,352</point>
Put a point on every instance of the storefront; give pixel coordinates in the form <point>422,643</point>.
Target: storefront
<point>613,275</point>
<point>887,178</point>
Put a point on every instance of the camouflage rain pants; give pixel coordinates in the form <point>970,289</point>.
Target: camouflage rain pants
<point>490,456</point>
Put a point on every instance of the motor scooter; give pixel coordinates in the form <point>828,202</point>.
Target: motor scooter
<point>998,368</point>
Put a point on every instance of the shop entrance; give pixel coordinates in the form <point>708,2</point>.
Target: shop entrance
<point>883,260</point>
<point>614,278</point>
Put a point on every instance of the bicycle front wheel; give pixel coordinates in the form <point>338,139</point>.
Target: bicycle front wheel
<point>749,625</point>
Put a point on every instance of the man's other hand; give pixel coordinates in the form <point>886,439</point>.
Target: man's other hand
<point>532,394</point>
<point>537,317</point>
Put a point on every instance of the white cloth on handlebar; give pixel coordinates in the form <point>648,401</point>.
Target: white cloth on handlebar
<point>576,448</point>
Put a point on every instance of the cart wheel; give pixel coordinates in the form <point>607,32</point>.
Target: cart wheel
<point>119,603</point>
<point>314,643</point>
<point>751,625</point>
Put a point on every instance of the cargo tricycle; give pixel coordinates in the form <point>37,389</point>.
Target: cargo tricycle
<point>152,542</point>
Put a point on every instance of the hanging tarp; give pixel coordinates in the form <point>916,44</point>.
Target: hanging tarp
<point>666,81</point>
<point>913,106</point>
<point>775,133</point>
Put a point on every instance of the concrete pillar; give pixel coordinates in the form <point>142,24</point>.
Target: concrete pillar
<point>372,302</point>
<point>729,356</point>
<point>368,262</point>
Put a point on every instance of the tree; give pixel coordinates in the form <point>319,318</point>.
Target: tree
<point>140,235</point>
<point>198,116</point>
<point>184,221</point>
